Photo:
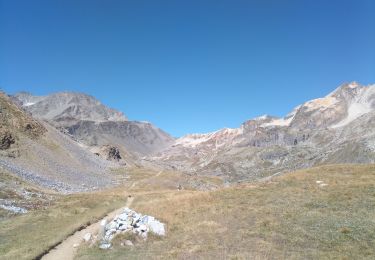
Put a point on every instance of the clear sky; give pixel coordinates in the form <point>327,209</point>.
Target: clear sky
<point>188,66</point>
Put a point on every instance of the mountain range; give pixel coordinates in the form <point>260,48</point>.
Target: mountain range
<point>94,125</point>
<point>338,128</point>
<point>76,131</point>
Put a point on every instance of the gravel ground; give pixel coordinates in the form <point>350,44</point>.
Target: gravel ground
<point>58,163</point>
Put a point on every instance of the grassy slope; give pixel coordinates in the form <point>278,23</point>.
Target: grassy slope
<point>288,218</point>
<point>13,189</point>
<point>26,236</point>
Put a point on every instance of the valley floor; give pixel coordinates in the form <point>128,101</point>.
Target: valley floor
<point>326,212</point>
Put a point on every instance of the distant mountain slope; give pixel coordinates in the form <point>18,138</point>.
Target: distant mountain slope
<point>339,128</point>
<point>40,154</point>
<point>93,124</point>
<point>68,105</point>
<point>15,125</point>
<point>136,137</point>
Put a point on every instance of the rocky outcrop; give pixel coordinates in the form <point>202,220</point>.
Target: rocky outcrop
<point>16,122</point>
<point>113,153</point>
<point>132,222</point>
<point>68,106</point>
<point>138,138</point>
<point>108,152</point>
<point>6,140</point>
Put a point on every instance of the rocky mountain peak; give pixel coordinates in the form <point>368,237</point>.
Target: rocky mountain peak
<point>68,106</point>
<point>347,90</point>
<point>93,124</point>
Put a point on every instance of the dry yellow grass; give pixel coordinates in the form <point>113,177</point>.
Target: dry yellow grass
<point>291,217</point>
<point>29,235</point>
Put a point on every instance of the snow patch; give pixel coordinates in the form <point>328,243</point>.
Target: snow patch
<point>360,106</point>
<point>279,122</point>
<point>355,110</point>
<point>192,140</point>
<point>283,121</point>
<point>28,104</point>
<point>263,117</point>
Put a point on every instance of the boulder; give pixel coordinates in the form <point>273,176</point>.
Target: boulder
<point>157,227</point>
<point>105,246</point>
<point>123,216</point>
<point>131,221</point>
<point>6,140</point>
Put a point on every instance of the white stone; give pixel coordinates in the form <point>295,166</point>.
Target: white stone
<point>123,216</point>
<point>157,227</point>
<point>109,237</point>
<point>103,222</point>
<point>87,237</point>
<point>143,227</point>
<point>144,219</point>
<point>111,231</point>
<point>105,246</point>
<point>128,243</point>
<point>111,225</point>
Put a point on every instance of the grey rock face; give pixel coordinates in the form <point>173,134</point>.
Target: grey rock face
<point>90,122</point>
<point>68,106</point>
<point>136,137</point>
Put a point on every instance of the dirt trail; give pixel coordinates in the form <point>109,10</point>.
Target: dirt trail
<point>68,248</point>
<point>136,182</point>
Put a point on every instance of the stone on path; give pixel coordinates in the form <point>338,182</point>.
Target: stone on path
<point>87,237</point>
<point>130,221</point>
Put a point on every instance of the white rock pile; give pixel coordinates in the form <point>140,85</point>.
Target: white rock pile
<point>130,221</point>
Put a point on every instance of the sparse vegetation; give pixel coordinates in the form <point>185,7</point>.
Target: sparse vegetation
<point>291,217</point>
<point>14,191</point>
<point>29,235</point>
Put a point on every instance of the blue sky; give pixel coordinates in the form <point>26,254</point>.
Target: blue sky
<point>188,66</point>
